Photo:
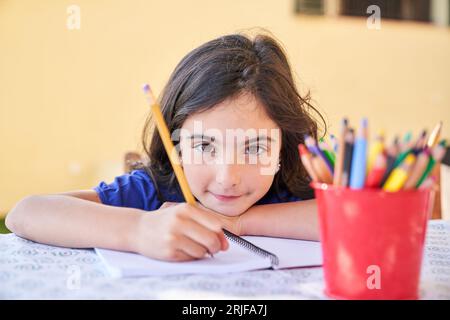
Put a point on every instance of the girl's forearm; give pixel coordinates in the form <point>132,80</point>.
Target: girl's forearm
<point>71,222</point>
<point>297,220</point>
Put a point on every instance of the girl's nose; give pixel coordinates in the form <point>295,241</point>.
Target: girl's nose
<point>228,176</point>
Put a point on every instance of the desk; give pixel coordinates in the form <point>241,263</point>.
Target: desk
<point>30,270</point>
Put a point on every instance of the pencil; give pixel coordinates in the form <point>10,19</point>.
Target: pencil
<point>429,183</point>
<point>313,147</point>
<point>305,157</point>
<point>437,155</point>
<point>348,155</point>
<point>434,135</point>
<point>406,144</point>
<point>322,170</point>
<point>334,143</point>
<point>391,155</point>
<point>168,145</point>
<point>339,164</point>
<point>399,175</point>
<point>421,142</point>
<point>376,174</point>
<point>358,170</point>
<point>375,149</point>
<point>327,151</point>
<point>417,170</point>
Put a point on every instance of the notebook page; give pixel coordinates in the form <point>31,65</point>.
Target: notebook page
<point>235,259</point>
<point>290,252</point>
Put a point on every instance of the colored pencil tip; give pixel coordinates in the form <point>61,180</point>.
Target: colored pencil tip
<point>146,87</point>
<point>149,93</point>
<point>364,122</point>
<point>407,137</point>
<point>302,149</point>
<point>309,140</point>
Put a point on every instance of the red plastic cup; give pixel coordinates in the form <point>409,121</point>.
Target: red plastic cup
<point>372,241</point>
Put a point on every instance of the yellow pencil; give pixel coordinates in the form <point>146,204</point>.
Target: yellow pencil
<point>375,149</point>
<point>399,175</point>
<point>168,145</point>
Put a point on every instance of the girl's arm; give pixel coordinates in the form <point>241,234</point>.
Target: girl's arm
<point>297,220</point>
<point>78,220</point>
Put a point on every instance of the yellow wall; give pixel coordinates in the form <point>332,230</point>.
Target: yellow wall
<point>71,103</point>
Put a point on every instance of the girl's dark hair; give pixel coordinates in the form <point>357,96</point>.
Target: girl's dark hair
<point>221,69</point>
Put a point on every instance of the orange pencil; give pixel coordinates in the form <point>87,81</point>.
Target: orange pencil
<point>306,156</point>
<point>168,145</point>
<point>321,168</point>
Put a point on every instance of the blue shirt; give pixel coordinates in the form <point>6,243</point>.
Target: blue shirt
<point>137,190</point>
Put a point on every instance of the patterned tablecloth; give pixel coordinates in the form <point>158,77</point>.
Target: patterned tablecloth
<point>30,270</point>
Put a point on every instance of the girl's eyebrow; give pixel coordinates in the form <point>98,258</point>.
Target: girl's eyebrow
<point>208,138</point>
<point>201,136</point>
<point>259,138</point>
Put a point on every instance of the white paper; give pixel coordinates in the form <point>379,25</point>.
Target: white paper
<point>291,253</point>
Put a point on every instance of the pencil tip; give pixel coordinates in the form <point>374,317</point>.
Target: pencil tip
<point>302,149</point>
<point>146,87</point>
<point>364,122</point>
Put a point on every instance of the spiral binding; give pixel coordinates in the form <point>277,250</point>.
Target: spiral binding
<point>250,246</point>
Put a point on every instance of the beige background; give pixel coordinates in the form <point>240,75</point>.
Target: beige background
<point>71,103</point>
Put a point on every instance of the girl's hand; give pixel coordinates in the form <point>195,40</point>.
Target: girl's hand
<point>232,224</point>
<point>179,232</point>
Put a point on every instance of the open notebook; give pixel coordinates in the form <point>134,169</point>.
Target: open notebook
<point>244,254</point>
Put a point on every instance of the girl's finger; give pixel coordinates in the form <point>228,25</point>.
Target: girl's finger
<point>208,239</point>
<point>191,248</point>
<point>180,255</point>
<point>210,221</point>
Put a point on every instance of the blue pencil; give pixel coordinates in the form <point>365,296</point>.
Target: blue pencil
<point>359,159</point>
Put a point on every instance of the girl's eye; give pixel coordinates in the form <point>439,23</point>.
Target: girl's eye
<point>255,149</point>
<point>204,147</point>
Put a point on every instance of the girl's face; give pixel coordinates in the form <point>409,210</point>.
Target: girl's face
<point>230,154</point>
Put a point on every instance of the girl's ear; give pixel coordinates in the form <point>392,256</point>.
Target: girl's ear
<point>278,167</point>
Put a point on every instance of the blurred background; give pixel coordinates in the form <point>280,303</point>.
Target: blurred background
<point>71,73</point>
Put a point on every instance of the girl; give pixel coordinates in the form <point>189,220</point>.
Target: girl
<point>233,83</point>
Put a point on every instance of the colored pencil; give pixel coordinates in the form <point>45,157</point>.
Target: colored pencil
<point>399,175</point>
<point>348,155</point>
<point>339,164</point>
<point>359,160</point>
<point>306,158</point>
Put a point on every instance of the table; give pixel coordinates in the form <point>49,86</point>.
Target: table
<point>30,270</point>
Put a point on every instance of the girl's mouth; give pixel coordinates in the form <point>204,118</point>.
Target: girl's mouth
<point>224,198</point>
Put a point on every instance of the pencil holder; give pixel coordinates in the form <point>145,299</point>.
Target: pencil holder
<point>372,241</point>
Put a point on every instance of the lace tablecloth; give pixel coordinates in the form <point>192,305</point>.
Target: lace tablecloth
<point>30,270</point>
